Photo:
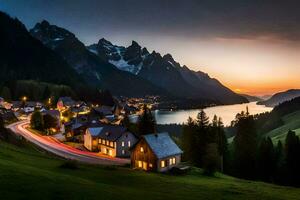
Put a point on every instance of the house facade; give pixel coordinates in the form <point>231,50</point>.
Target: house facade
<point>114,141</point>
<point>65,102</point>
<point>155,152</point>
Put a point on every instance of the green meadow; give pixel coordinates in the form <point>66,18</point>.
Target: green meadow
<point>27,173</point>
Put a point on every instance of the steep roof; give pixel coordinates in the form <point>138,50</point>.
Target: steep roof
<point>95,131</point>
<point>108,132</point>
<point>162,145</point>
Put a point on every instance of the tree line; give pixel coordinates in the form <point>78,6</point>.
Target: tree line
<point>248,156</point>
<point>204,143</point>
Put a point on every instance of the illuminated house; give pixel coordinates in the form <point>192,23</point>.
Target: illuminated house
<point>111,140</point>
<point>155,152</point>
<point>65,102</point>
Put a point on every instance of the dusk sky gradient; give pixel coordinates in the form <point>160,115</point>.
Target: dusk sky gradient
<point>250,46</point>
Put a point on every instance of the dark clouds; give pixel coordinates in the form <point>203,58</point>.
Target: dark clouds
<point>189,18</point>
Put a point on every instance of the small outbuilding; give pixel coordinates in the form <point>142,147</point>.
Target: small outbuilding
<point>155,152</point>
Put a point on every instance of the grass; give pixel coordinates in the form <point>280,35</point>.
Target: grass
<point>291,122</point>
<point>28,174</point>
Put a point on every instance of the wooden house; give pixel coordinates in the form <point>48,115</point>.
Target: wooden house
<point>111,140</point>
<point>155,152</point>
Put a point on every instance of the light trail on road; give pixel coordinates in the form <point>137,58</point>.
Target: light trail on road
<point>54,146</point>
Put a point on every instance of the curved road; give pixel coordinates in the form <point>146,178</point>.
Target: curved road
<point>54,146</point>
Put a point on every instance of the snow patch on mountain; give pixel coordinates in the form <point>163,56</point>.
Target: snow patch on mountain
<point>94,51</point>
<point>122,64</point>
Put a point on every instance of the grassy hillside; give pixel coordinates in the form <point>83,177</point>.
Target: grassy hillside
<point>26,173</point>
<point>291,122</point>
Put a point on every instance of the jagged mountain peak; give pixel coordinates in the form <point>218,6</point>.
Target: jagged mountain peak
<point>135,44</point>
<point>145,51</point>
<point>168,57</point>
<point>44,23</point>
<point>51,35</point>
<point>103,41</point>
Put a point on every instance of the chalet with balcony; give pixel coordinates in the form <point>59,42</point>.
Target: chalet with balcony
<point>155,152</point>
<point>111,140</point>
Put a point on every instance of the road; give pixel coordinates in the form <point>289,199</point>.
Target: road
<point>54,146</point>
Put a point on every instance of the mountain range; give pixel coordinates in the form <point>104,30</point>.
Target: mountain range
<point>281,97</point>
<point>164,72</point>
<point>53,54</point>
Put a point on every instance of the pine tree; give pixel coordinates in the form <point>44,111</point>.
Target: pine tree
<point>202,120</point>
<point>280,172</point>
<point>245,143</point>
<point>188,141</point>
<point>202,137</point>
<point>211,159</point>
<point>292,151</point>
<point>266,160</point>
<point>146,123</point>
<point>222,145</point>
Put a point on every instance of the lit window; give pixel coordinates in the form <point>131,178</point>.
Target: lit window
<point>111,144</point>
<point>150,165</point>
<point>163,163</point>
<point>107,142</point>
<point>129,144</point>
<point>140,164</point>
<point>99,141</point>
<point>110,152</point>
<point>142,149</point>
<point>172,161</point>
<point>123,152</point>
<point>123,143</point>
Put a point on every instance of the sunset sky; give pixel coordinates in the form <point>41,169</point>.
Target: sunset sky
<point>250,46</point>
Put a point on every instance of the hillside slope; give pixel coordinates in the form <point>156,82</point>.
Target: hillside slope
<point>28,174</point>
<point>291,122</point>
<point>251,98</point>
<point>24,57</point>
<point>281,97</point>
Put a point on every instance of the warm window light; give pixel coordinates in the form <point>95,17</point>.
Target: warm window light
<point>163,163</point>
<point>140,164</point>
<point>172,161</point>
<point>123,143</point>
<point>142,149</point>
<point>129,144</point>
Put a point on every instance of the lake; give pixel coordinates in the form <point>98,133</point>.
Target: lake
<point>227,113</point>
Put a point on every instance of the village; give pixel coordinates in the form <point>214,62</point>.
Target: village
<point>99,129</point>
